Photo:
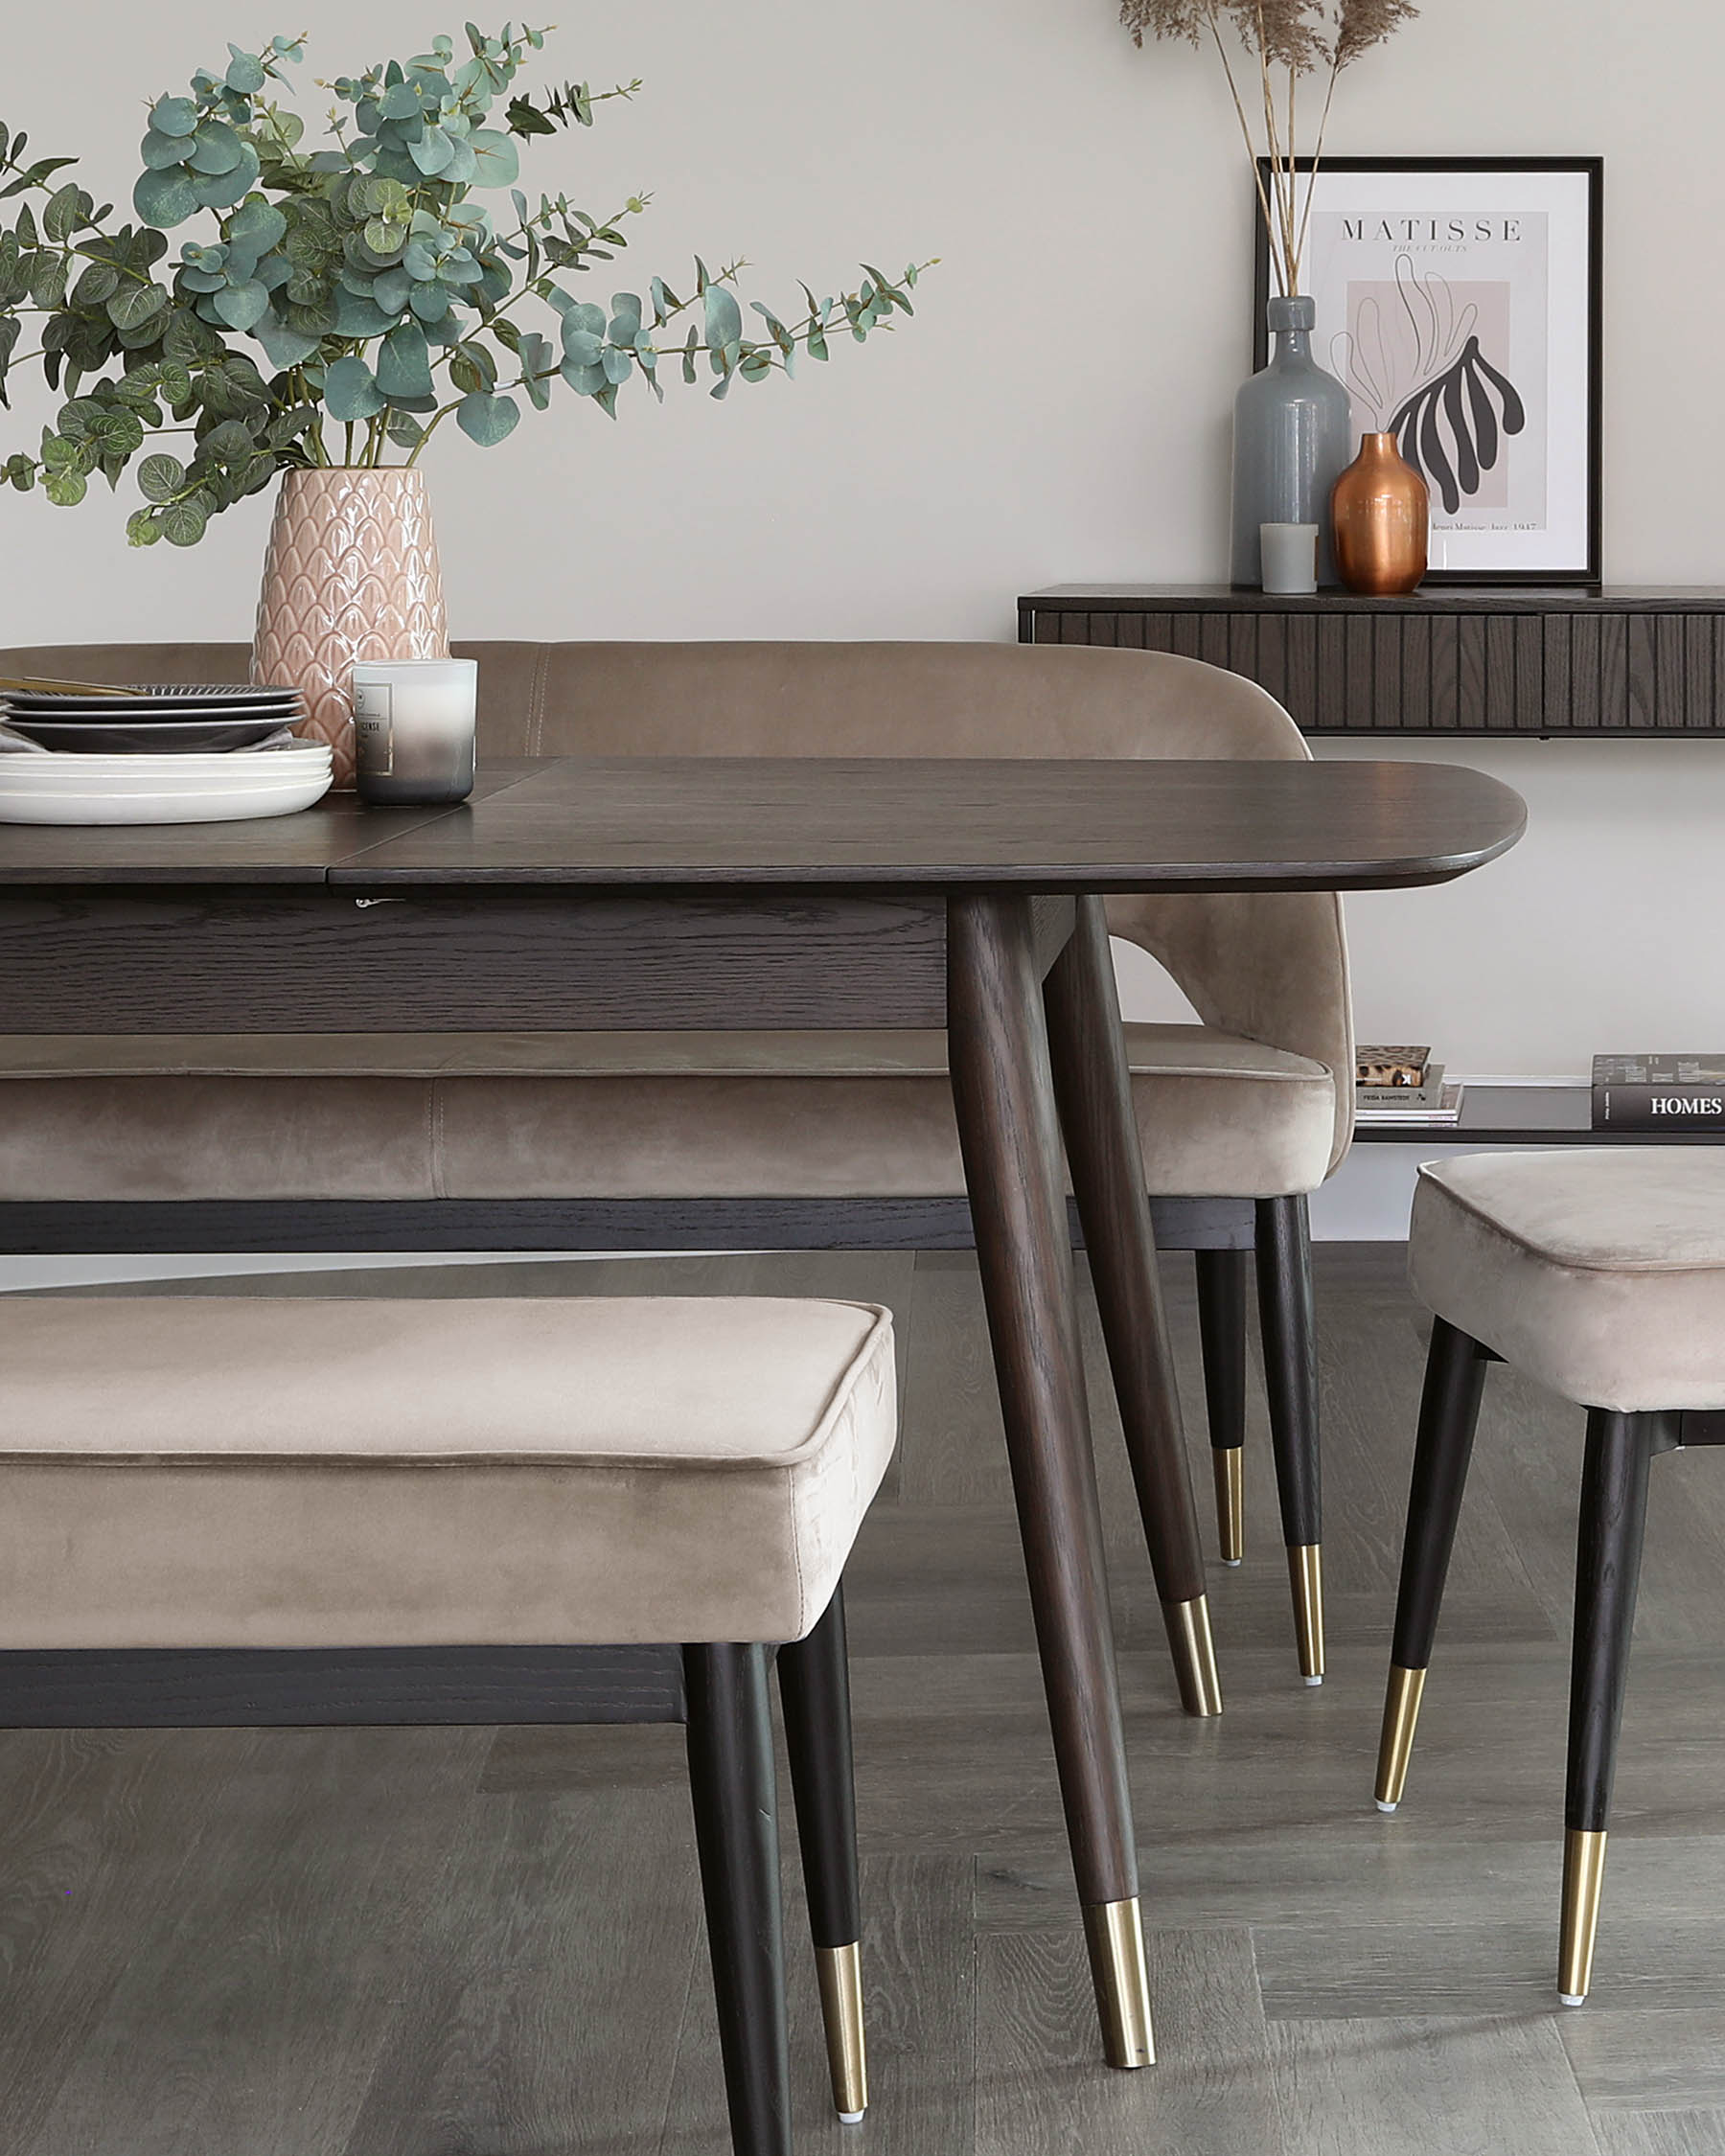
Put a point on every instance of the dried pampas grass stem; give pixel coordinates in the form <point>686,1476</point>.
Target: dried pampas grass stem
<point>1291,38</point>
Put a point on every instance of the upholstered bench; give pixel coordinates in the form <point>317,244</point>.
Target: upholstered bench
<point>266,1474</point>
<point>1601,1275</point>
<point>757,1139</point>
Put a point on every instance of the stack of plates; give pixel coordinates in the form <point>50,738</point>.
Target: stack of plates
<point>168,753</point>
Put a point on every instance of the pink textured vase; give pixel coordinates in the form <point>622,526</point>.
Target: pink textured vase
<point>350,573</point>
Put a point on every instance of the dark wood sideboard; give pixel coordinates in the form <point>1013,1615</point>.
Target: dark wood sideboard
<point>1556,663</point>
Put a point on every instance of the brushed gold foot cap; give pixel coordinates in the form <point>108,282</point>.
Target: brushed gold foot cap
<point>1395,1746</point>
<point>1305,1574</point>
<point>1115,1936</point>
<point>1228,1464</point>
<point>1194,1655</point>
<point>840,1969</point>
<point>1583,1878</point>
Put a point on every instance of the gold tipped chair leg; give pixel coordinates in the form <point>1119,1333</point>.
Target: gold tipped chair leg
<point>1194,1654</point>
<point>1583,1877</point>
<point>1115,1939</point>
<point>840,1969</point>
<point>1229,1463</point>
<point>1395,1747</point>
<point>1305,1570</point>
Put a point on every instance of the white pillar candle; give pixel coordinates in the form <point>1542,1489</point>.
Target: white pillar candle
<point>1290,553</point>
<point>413,726</point>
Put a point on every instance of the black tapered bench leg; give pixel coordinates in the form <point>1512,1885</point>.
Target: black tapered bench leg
<point>1288,1317</point>
<point>1222,1277</point>
<point>814,1686</point>
<point>1449,1413</point>
<point>731,1781</point>
<point>1608,1549</point>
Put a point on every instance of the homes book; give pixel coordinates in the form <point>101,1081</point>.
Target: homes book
<point>1670,1094</point>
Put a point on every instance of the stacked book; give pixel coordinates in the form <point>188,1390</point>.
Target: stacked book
<point>1670,1095</point>
<point>1402,1085</point>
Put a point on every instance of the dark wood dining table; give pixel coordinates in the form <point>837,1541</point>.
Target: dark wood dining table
<point>808,893</point>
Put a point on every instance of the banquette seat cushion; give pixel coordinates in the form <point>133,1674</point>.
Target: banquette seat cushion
<point>672,1116</point>
<point>282,1472</point>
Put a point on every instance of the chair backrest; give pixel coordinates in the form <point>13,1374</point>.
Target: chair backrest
<point>1269,966</point>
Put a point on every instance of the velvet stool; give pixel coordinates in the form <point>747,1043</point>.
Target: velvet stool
<point>1601,1275</point>
<point>256,1478</point>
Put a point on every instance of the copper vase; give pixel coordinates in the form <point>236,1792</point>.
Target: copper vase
<point>352,573</point>
<point>1381,513</point>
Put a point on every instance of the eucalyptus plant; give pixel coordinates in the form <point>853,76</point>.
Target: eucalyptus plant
<point>339,304</point>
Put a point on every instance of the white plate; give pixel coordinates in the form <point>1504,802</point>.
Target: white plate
<point>23,773</point>
<point>178,805</point>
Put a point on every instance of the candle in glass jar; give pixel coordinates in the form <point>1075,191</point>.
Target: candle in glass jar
<point>413,726</point>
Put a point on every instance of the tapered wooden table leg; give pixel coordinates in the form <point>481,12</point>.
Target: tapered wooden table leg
<point>1093,1086</point>
<point>1003,1094</point>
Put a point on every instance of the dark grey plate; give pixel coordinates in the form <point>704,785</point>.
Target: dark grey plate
<point>148,736</point>
<point>153,699</point>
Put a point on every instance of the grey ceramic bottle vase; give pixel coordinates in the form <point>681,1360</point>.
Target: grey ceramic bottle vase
<point>1292,437</point>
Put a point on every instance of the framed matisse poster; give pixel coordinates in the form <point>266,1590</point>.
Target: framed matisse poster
<point>1457,299</point>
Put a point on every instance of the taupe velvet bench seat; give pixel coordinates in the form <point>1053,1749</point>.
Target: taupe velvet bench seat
<point>259,1479</point>
<point>751,1139</point>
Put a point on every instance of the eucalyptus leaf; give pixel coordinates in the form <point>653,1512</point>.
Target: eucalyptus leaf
<point>166,199</point>
<point>246,75</point>
<point>496,161</point>
<point>356,317</point>
<point>390,291</point>
<point>351,391</point>
<point>230,440</point>
<point>134,305</point>
<point>173,116</point>
<point>487,419</point>
<point>536,363</point>
<point>184,523</point>
<point>48,281</point>
<point>219,191</point>
<point>118,434</point>
<point>584,381</point>
<point>405,363</point>
<point>283,347</point>
<point>260,225</point>
<point>159,151</point>
<point>60,213</point>
<point>65,490</point>
<point>432,151</point>
<point>241,307</point>
<point>215,148</point>
<point>160,476</point>
<point>724,317</point>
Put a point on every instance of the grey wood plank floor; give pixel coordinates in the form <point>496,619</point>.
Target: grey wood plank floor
<point>489,1943</point>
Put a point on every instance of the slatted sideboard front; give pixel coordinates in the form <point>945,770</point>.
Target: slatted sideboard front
<point>1559,663</point>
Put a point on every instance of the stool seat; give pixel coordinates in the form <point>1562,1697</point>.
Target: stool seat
<point>1600,1273</point>
<point>296,1472</point>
